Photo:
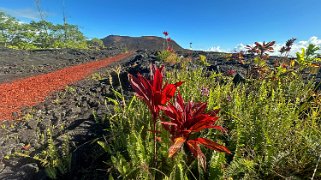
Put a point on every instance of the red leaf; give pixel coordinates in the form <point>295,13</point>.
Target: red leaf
<point>178,143</point>
<point>220,128</point>
<point>201,107</point>
<point>206,121</point>
<point>178,83</point>
<point>258,44</point>
<point>193,146</point>
<point>197,152</point>
<point>170,111</point>
<point>151,91</point>
<point>212,145</point>
<point>200,120</point>
<point>169,91</point>
<point>179,103</point>
<point>157,80</point>
<point>135,85</point>
<point>169,123</point>
<point>165,33</point>
<point>141,86</point>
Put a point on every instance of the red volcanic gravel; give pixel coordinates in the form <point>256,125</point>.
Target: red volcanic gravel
<point>33,90</point>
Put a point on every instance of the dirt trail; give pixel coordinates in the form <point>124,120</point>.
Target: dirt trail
<point>30,91</point>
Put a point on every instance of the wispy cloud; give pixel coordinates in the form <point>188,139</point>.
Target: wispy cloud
<point>27,13</point>
<point>216,49</point>
<point>297,46</point>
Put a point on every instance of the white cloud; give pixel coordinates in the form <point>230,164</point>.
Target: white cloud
<point>216,49</point>
<point>27,13</point>
<point>297,46</point>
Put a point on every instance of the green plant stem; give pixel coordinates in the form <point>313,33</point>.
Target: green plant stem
<point>316,167</point>
<point>121,88</point>
<point>155,143</point>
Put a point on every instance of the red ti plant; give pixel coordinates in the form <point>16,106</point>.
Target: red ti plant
<point>153,92</point>
<point>288,45</point>
<point>261,49</point>
<point>252,49</point>
<point>170,49</point>
<point>165,39</point>
<point>168,41</point>
<point>187,119</point>
<point>165,33</point>
<point>265,47</point>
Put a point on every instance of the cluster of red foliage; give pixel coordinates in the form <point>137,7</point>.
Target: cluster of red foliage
<point>33,90</point>
<point>187,118</point>
<point>261,49</point>
<point>168,40</point>
<point>184,118</point>
<point>288,46</point>
<point>165,33</point>
<point>152,91</point>
<point>231,72</point>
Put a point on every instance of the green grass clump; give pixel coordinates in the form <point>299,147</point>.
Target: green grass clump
<point>168,57</point>
<point>56,161</point>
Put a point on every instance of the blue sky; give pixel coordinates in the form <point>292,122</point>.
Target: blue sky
<point>205,23</point>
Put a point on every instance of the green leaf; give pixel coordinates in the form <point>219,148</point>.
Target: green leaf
<point>104,146</point>
<point>117,94</point>
<point>131,102</point>
<point>110,177</point>
<point>115,102</point>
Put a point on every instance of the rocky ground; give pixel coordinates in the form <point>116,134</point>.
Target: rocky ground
<point>17,63</point>
<point>75,112</point>
<point>78,113</point>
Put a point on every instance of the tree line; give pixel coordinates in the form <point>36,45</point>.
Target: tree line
<point>42,35</point>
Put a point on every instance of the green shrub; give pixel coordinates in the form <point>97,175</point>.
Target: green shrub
<point>272,125</point>
<point>203,60</point>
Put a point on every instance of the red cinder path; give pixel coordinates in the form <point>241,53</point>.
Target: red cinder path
<point>32,90</point>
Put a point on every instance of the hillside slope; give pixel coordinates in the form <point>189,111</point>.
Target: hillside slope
<point>135,43</point>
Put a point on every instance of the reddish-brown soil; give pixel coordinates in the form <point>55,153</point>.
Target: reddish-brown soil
<point>30,91</point>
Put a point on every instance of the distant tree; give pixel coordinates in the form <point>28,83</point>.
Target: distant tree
<point>58,35</point>
<point>44,25</point>
<point>68,36</point>
<point>3,38</point>
<point>64,18</point>
<point>96,43</point>
<point>44,37</point>
<point>25,37</point>
<point>8,27</point>
<point>74,37</point>
<point>40,34</point>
